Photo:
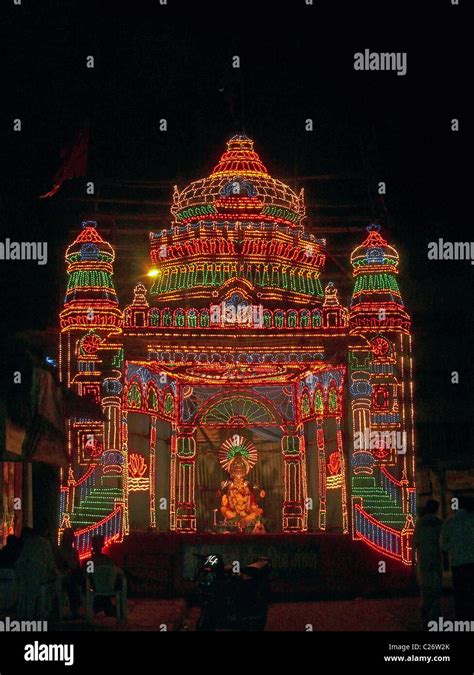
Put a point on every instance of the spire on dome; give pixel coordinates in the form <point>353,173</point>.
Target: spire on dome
<point>240,158</point>
<point>374,237</point>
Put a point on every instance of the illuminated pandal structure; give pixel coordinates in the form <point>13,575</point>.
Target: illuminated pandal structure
<point>237,335</point>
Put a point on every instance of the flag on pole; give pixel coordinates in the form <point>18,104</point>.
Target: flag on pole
<point>74,157</point>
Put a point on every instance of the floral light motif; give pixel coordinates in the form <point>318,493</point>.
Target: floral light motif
<point>136,465</point>
<point>334,464</point>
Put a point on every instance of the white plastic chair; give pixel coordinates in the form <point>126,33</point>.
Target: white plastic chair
<point>101,583</point>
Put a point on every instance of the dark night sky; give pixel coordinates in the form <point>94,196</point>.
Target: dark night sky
<point>171,61</point>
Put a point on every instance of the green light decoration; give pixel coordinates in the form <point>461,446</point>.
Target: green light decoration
<point>192,318</point>
<point>191,212</point>
<point>332,400</point>
<point>117,359</point>
<point>279,319</point>
<point>238,450</point>
<point>318,403</point>
<point>168,407</point>
<point>152,401</point>
<point>316,318</point>
<point>263,275</point>
<point>376,282</point>
<point>277,212</point>
<point>90,278</point>
<point>185,447</point>
<point>235,446</point>
<point>179,318</point>
<point>204,318</point>
<point>238,408</point>
<point>291,318</point>
<point>155,317</point>
<point>305,406</point>
<point>134,397</point>
<point>304,319</point>
<point>291,445</point>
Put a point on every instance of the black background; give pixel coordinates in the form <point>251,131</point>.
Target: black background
<point>175,62</point>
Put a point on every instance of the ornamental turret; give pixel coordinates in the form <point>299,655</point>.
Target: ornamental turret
<point>376,300</point>
<point>90,300</point>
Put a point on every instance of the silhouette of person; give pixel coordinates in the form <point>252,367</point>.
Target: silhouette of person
<point>457,538</point>
<point>430,561</point>
<point>67,559</point>
<point>10,552</point>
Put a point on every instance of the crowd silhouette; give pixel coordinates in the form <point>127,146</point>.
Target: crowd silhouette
<point>37,579</point>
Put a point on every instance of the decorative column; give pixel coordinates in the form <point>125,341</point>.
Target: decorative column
<point>112,457</point>
<point>405,496</point>
<point>361,391</point>
<point>152,479</point>
<point>124,426</point>
<point>184,472</point>
<point>295,514</point>
<point>345,521</point>
<point>362,459</point>
<point>321,472</point>
<point>407,540</point>
<point>173,473</point>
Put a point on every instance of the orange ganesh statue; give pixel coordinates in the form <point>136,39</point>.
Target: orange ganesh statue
<point>238,503</point>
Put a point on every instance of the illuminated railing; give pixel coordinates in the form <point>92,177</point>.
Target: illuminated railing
<point>412,500</point>
<point>379,536</point>
<point>109,527</point>
<point>391,485</point>
<point>62,503</point>
<point>383,538</point>
<point>86,483</point>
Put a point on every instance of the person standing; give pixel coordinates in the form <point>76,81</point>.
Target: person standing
<point>69,566</point>
<point>430,562</point>
<point>457,539</point>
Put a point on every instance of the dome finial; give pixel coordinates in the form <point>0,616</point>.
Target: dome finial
<point>373,227</point>
<point>240,158</point>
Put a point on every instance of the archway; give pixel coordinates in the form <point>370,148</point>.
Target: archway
<point>257,420</point>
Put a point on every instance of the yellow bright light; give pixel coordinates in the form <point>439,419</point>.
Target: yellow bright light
<point>154,272</point>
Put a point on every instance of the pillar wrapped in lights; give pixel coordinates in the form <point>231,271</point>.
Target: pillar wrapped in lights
<point>294,503</point>
<point>185,500</point>
<point>112,457</point>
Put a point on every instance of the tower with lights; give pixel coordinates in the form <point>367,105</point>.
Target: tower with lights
<point>239,335</point>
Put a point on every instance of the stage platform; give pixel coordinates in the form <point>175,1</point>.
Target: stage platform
<point>303,565</point>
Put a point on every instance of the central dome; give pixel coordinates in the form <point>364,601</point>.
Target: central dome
<point>239,188</point>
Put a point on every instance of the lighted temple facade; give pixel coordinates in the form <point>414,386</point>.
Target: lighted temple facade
<point>240,347</point>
